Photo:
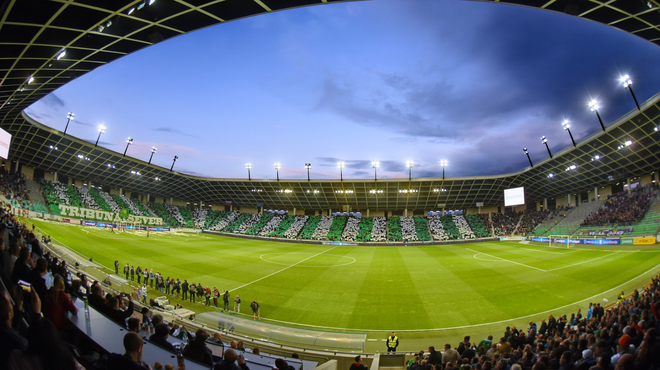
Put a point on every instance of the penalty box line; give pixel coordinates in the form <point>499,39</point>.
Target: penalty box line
<point>286,268</point>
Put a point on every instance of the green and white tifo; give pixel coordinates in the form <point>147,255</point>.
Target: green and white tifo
<point>364,288</point>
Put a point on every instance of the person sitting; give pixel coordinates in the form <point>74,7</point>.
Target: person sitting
<point>36,277</point>
<point>197,350</point>
<point>229,361</point>
<point>159,338</point>
<point>132,359</point>
<point>281,364</point>
<point>45,350</point>
<point>96,299</point>
<point>117,315</point>
<point>133,324</point>
<point>10,338</point>
<point>57,303</point>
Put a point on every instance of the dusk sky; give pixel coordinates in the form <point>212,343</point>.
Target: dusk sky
<point>387,80</point>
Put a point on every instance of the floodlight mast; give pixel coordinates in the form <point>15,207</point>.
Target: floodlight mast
<point>627,83</point>
<point>277,168</point>
<point>409,164</point>
<point>443,164</point>
<point>567,127</point>
<point>249,167</point>
<point>101,132</point>
<point>69,118</point>
<point>528,158</point>
<point>545,141</point>
<point>153,150</point>
<point>374,165</point>
<point>340,164</point>
<point>308,166</point>
<point>593,105</point>
<point>129,142</point>
<point>173,162</point>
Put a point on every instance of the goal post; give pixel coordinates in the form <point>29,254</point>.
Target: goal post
<point>559,241</point>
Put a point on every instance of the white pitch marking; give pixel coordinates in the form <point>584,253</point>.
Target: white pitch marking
<point>504,259</point>
<point>286,268</point>
<point>537,250</point>
<point>579,263</point>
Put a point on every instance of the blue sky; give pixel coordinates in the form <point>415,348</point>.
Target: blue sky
<point>386,80</point>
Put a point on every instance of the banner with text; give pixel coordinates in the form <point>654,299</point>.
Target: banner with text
<point>98,215</point>
<point>579,241</point>
<point>129,227</point>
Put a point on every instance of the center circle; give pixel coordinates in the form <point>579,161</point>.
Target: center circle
<point>321,260</point>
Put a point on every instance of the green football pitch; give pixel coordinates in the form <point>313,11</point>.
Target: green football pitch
<point>450,289</point>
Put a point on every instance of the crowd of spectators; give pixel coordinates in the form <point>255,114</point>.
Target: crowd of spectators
<point>252,219</point>
<point>530,219</point>
<point>503,224</point>
<point>436,228</point>
<point>199,217</point>
<point>231,217</point>
<point>623,337</point>
<point>351,229</point>
<point>323,228</point>
<point>623,207</point>
<point>13,185</point>
<point>110,201</point>
<point>271,225</point>
<point>175,213</point>
<point>463,227</point>
<point>295,228</point>
<point>408,232</point>
<point>379,230</point>
<point>87,200</point>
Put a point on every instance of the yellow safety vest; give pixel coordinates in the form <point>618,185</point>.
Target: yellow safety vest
<point>391,342</point>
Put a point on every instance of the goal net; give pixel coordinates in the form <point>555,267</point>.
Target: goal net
<point>559,241</point>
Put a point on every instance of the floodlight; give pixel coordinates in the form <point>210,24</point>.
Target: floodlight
<point>153,151</point>
<point>595,158</point>
<point>375,165</point>
<point>101,130</point>
<point>443,164</point>
<point>409,164</point>
<point>277,168</point>
<point>173,162</point>
<point>627,84</point>
<point>130,11</point>
<point>545,142</point>
<point>30,80</point>
<point>60,55</point>
<point>307,167</point>
<point>551,175</point>
<point>628,142</point>
<point>249,167</point>
<point>528,158</point>
<point>340,164</point>
<point>567,127</point>
<point>594,106</point>
<point>129,142</point>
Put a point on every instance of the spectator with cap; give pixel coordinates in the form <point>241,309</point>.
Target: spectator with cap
<point>623,348</point>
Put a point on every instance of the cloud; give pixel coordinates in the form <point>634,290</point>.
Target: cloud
<point>53,101</point>
<point>171,131</point>
<point>101,143</point>
<point>82,123</point>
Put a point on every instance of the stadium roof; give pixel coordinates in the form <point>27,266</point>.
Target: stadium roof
<point>33,35</point>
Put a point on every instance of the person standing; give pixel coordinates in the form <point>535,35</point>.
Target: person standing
<point>144,294</point>
<point>168,285</point>
<point>116,267</point>
<point>177,287</point>
<point>145,274</point>
<point>127,269</point>
<point>392,343</point>
<point>225,300</point>
<point>184,290</point>
<point>132,274</point>
<point>237,304</point>
<point>207,295</point>
<point>151,278</point>
<point>193,291</point>
<point>216,295</point>
<point>255,310</point>
<point>138,271</point>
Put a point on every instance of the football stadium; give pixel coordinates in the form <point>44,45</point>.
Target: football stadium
<point>111,261</point>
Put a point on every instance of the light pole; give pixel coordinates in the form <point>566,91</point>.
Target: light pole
<point>129,142</point>
<point>69,118</point>
<point>443,164</point>
<point>340,164</point>
<point>153,151</point>
<point>409,164</point>
<point>593,105</point>
<point>101,132</point>
<point>277,168</point>
<point>545,142</point>
<point>567,127</point>
<point>249,167</point>
<point>308,166</point>
<point>627,83</point>
<point>528,158</point>
<point>374,165</point>
<point>173,162</point>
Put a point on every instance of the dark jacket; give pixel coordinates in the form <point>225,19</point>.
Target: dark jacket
<point>223,365</point>
<point>121,362</point>
<point>38,283</point>
<point>162,342</point>
<point>119,316</point>
<point>198,351</point>
<point>435,357</point>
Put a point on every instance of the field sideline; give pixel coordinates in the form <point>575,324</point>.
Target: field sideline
<point>375,289</point>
